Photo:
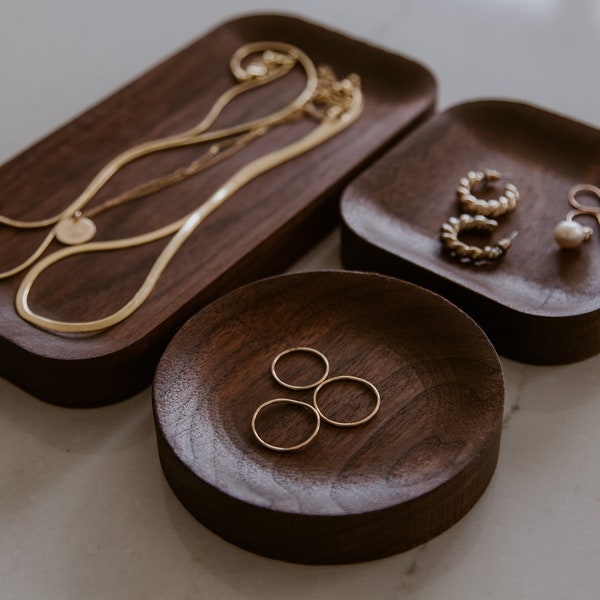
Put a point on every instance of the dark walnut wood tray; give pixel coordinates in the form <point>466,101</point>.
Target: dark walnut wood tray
<point>258,232</point>
<point>538,304</point>
<point>353,494</point>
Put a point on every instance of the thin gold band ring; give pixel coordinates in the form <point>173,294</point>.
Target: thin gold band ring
<point>307,441</point>
<point>300,387</point>
<point>347,378</point>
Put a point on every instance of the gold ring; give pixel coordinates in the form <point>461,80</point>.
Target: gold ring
<point>288,401</point>
<point>348,423</point>
<point>300,387</point>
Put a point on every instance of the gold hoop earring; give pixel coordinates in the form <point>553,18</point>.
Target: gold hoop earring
<point>461,251</point>
<point>492,208</point>
<point>368,384</point>
<point>570,234</point>
<point>299,446</point>
<point>299,387</point>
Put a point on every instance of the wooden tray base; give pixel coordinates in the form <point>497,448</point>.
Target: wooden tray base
<point>353,494</point>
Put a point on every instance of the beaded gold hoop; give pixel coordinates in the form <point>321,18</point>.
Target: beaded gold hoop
<point>347,378</point>
<point>492,208</point>
<point>458,249</point>
<point>300,387</point>
<point>302,444</point>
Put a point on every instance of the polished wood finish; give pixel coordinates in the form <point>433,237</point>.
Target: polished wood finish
<point>538,304</point>
<point>353,494</point>
<point>259,232</point>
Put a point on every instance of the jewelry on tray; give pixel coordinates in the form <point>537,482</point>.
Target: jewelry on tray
<point>492,208</point>
<point>570,234</point>
<point>318,385</point>
<point>458,249</point>
<point>268,67</point>
<point>298,446</point>
<point>478,215</point>
<point>333,104</point>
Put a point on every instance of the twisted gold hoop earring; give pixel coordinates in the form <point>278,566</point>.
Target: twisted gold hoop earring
<point>461,251</point>
<point>492,208</point>
<point>300,387</point>
<point>331,380</point>
<point>302,444</point>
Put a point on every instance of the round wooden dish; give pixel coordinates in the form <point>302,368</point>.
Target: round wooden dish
<point>354,494</point>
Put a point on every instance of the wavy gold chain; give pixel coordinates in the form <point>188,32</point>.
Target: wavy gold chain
<point>334,104</point>
<point>273,61</point>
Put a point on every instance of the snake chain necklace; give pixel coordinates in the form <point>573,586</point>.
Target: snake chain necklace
<point>333,104</point>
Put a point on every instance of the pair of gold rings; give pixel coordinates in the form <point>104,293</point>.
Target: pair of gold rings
<point>314,408</point>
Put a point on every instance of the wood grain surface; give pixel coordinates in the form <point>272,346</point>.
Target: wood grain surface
<point>259,232</point>
<point>538,304</point>
<point>353,494</point>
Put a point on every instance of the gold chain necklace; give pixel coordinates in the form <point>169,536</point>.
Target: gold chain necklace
<point>334,104</point>
<point>276,59</point>
<point>80,228</point>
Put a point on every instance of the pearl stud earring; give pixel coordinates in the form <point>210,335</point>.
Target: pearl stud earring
<point>570,234</point>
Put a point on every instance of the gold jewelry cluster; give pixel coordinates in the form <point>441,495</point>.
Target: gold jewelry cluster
<point>477,216</point>
<point>334,104</point>
<point>314,408</point>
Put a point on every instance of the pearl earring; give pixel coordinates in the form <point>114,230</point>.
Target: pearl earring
<point>570,234</point>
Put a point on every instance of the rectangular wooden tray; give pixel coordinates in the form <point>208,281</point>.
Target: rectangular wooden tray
<point>538,304</point>
<point>259,232</point>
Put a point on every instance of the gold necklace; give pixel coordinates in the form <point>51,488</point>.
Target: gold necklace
<point>275,60</point>
<point>273,65</point>
<point>79,228</point>
<point>334,104</point>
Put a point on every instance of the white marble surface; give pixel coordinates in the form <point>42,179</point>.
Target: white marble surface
<point>84,509</point>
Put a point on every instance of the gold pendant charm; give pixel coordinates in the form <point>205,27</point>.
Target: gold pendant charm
<point>75,230</point>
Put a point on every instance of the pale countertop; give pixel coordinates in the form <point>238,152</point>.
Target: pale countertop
<point>85,511</point>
